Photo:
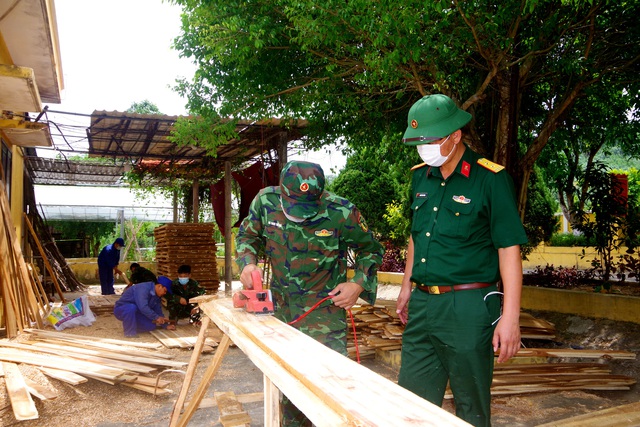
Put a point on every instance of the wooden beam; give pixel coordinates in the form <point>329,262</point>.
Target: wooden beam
<point>228,237</point>
<point>329,388</point>
<point>619,416</point>
<point>204,384</point>
<point>43,254</point>
<point>191,368</point>
<point>23,406</point>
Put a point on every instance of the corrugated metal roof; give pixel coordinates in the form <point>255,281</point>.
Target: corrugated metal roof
<point>106,213</point>
<point>44,171</point>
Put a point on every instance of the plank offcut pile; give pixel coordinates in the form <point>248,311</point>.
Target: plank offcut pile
<point>191,244</point>
<point>75,359</point>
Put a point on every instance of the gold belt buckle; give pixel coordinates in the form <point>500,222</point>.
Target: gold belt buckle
<point>434,290</point>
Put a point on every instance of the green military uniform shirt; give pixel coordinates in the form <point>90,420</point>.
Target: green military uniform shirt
<point>459,223</point>
<point>309,259</point>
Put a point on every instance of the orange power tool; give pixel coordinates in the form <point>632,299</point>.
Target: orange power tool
<point>256,300</point>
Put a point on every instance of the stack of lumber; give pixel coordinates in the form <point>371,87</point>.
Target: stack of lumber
<point>191,244</point>
<point>378,327</point>
<point>75,359</point>
<point>185,336</point>
<point>102,304</point>
<point>24,302</point>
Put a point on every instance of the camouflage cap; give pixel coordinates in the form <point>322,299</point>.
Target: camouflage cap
<point>301,185</point>
<point>433,117</point>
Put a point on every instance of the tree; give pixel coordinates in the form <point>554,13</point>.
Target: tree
<point>353,69</point>
<point>144,107</point>
<point>603,124</point>
<point>612,215</point>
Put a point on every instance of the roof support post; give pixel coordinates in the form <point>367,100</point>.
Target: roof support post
<point>195,200</point>
<point>228,259</point>
<point>175,206</point>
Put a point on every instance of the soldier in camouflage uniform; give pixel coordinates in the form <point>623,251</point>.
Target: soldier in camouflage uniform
<point>306,232</point>
<point>184,288</point>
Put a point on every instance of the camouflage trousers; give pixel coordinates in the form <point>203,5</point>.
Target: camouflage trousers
<point>335,337</point>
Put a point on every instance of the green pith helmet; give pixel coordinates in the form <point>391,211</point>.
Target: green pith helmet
<point>301,186</point>
<point>433,117</point>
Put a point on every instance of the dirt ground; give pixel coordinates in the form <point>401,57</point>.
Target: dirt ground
<point>102,405</point>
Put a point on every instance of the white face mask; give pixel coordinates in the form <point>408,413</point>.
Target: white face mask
<point>289,217</point>
<point>430,153</point>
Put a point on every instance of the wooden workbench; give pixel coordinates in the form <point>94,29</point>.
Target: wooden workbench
<point>332,390</point>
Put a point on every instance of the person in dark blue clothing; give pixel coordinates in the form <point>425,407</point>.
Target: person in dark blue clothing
<point>108,261</point>
<point>140,307</point>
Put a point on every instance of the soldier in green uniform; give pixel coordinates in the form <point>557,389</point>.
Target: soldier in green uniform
<point>184,288</point>
<point>465,238</point>
<point>306,232</point>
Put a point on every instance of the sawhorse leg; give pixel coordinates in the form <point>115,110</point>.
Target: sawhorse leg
<point>181,421</point>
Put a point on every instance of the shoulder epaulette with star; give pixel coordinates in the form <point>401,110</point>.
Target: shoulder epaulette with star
<point>488,164</point>
<point>418,166</point>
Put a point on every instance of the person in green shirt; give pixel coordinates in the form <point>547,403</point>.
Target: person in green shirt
<point>140,274</point>
<point>465,238</point>
<point>183,289</point>
<point>306,232</point>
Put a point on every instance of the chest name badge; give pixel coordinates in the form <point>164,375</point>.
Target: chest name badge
<point>275,224</point>
<point>461,199</point>
<point>324,233</point>
<point>421,195</point>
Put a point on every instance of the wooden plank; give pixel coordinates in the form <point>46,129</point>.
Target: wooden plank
<point>23,406</point>
<point>584,354</point>
<point>619,416</point>
<point>329,388</point>
<point>65,376</point>
<point>183,420</point>
<point>232,413</point>
<point>71,337</point>
<point>191,368</point>
<point>40,391</point>
<point>51,361</point>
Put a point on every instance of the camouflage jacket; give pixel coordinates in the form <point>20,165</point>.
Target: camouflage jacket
<point>190,290</point>
<point>308,259</point>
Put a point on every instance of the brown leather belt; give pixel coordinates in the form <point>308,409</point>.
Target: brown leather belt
<point>436,290</point>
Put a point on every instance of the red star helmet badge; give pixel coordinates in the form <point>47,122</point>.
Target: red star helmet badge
<point>414,123</point>
<point>304,187</point>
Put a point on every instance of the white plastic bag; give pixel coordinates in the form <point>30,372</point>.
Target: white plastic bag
<point>75,313</point>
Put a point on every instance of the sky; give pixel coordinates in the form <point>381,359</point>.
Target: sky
<point>115,53</point>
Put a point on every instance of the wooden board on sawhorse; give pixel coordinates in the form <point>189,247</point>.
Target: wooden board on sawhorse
<point>330,389</point>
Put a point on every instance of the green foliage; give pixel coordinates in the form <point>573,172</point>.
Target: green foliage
<point>399,223</point>
<point>610,217</point>
<point>144,107</point>
<point>352,69</point>
<point>539,221</point>
<point>367,185</point>
<point>96,232</point>
<point>568,240</point>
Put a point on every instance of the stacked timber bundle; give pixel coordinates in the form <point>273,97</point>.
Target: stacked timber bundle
<point>24,302</point>
<point>191,244</point>
<point>379,328</point>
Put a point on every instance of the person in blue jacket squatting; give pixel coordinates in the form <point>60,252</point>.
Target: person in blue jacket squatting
<point>108,261</point>
<point>140,307</point>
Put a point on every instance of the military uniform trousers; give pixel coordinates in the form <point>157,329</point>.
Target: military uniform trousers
<point>448,338</point>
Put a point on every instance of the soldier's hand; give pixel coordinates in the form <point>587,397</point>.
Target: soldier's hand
<point>346,294</point>
<point>183,301</point>
<point>245,276</point>
<point>402,304</point>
